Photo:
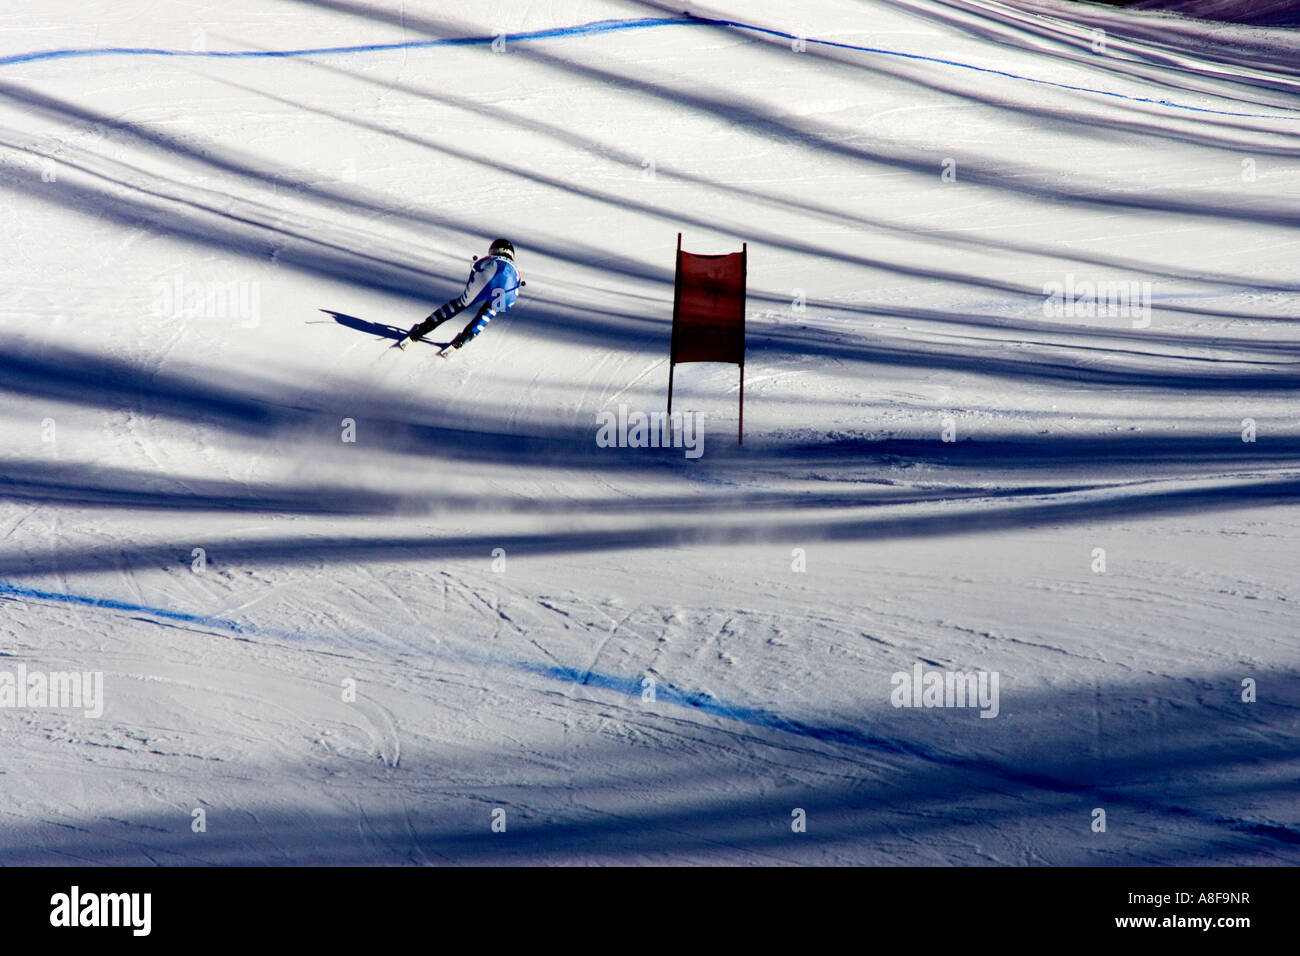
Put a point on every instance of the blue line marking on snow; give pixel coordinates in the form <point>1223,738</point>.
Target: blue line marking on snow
<point>610,26</point>
<point>709,704</point>
<point>989,70</point>
<point>16,591</point>
<point>583,29</point>
<point>702,701</point>
<point>630,686</point>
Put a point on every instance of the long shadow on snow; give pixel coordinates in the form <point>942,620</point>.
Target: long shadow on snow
<point>1194,375</point>
<point>1129,504</point>
<point>254,213</point>
<point>838,213</point>
<point>1186,773</point>
<point>377,329</point>
<point>676,219</point>
<point>1169,39</point>
<point>1028,326</point>
<point>1150,55</point>
<point>237,166</point>
<point>396,423</point>
<point>756,117</point>
<point>94,486</point>
<point>1121,116</point>
<point>338,257</point>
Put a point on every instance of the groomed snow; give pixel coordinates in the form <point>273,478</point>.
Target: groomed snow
<point>206,258</point>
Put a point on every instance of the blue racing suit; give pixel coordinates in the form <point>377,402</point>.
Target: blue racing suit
<point>492,288</point>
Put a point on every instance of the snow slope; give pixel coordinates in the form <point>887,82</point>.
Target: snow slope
<point>206,257</point>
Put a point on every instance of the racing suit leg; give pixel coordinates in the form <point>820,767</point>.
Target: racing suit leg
<point>476,325</point>
<point>439,316</point>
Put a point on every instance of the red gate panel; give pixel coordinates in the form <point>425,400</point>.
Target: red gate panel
<point>709,324</point>
<point>709,314</point>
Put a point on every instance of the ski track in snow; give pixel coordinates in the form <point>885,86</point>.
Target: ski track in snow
<point>388,746</point>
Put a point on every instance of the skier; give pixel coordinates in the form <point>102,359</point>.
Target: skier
<point>492,289</point>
